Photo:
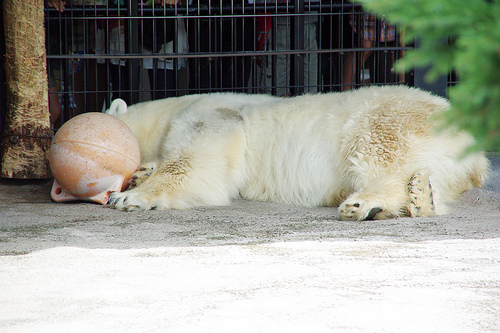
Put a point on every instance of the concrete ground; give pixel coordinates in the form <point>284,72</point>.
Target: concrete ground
<point>249,267</point>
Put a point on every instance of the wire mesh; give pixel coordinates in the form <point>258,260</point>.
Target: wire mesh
<point>99,50</point>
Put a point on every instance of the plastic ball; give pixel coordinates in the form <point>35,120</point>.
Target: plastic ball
<point>92,155</point>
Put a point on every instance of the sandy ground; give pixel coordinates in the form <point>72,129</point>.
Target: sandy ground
<point>249,267</point>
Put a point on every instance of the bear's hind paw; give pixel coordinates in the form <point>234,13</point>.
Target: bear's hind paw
<point>421,197</point>
<point>143,173</point>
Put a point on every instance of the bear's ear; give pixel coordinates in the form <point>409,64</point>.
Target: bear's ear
<point>119,106</point>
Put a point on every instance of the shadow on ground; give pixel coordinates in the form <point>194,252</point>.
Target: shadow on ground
<point>31,221</point>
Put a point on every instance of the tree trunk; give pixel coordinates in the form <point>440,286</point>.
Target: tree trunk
<point>27,136</point>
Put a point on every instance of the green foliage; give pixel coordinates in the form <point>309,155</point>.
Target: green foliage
<point>473,29</point>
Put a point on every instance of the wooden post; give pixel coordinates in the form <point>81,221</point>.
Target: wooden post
<point>27,135</point>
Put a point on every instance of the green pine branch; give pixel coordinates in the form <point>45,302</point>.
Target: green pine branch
<point>473,52</point>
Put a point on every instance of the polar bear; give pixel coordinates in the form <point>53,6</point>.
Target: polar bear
<point>372,152</point>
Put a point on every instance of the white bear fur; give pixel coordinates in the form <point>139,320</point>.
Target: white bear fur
<point>371,151</point>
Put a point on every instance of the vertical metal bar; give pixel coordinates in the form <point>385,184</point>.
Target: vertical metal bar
<point>297,43</point>
<point>132,46</point>
<point>274,46</point>
<point>64,68</point>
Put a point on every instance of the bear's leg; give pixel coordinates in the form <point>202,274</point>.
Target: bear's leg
<point>160,190</point>
<point>391,198</point>
<point>207,171</point>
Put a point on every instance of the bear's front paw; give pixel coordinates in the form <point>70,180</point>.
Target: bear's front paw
<point>356,209</point>
<point>129,201</point>
<point>143,173</point>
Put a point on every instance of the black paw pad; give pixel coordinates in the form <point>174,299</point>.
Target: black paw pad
<point>373,213</point>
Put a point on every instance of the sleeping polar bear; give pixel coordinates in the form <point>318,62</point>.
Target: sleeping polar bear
<point>371,151</point>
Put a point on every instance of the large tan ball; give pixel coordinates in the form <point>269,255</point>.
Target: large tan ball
<point>92,155</point>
